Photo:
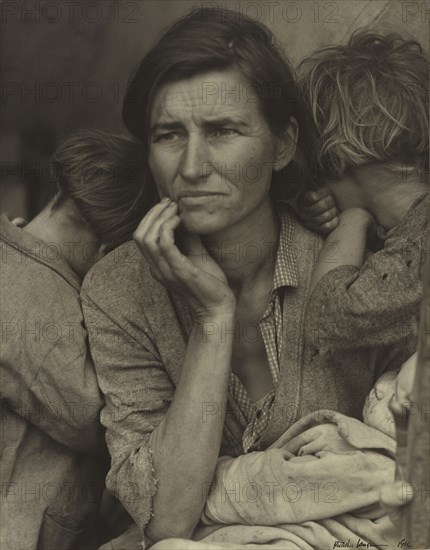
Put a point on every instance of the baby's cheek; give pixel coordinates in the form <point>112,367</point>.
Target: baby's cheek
<point>379,416</point>
<point>369,404</point>
<point>386,384</point>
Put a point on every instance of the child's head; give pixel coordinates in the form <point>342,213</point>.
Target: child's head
<point>369,100</point>
<point>376,411</point>
<point>100,183</point>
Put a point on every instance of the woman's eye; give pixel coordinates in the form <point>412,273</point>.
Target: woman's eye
<point>169,136</point>
<point>221,132</point>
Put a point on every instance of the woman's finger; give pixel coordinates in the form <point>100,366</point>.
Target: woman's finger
<point>148,238</point>
<point>181,268</point>
<point>310,448</point>
<point>149,219</point>
<point>157,244</point>
<point>158,267</point>
<point>152,236</point>
<point>393,496</point>
<point>171,265</point>
<point>166,233</point>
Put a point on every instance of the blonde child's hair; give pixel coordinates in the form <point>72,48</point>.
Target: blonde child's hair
<point>369,101</point>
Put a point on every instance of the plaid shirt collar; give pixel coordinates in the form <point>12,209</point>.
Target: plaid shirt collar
<point>286,263</point>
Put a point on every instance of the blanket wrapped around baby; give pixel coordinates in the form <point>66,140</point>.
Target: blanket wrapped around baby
<point>317,486</point>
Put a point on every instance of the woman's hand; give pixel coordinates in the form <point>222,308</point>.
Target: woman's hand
<point>193,274</point>
<point>318,211</point>
<point>392,498</point>
<point>205,371</point>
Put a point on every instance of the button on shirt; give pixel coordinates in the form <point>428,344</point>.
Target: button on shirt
<point>254,417</point>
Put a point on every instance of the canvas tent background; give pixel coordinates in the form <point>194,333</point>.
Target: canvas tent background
<point>66,64</point>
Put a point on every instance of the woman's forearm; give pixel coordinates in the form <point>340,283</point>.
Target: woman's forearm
<point>187,443</point>
<point>346,245</point>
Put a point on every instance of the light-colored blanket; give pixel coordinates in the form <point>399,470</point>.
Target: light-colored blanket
<point>317,486</point>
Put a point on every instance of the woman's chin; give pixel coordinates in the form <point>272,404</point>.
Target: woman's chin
<point>201,224</point>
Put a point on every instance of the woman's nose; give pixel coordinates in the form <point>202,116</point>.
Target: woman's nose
<point>195,165</point>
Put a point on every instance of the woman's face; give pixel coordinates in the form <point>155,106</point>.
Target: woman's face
<point>213,152</point>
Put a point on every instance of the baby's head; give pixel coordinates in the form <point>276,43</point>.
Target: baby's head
<point>369,100</point>
<point>376,411</point>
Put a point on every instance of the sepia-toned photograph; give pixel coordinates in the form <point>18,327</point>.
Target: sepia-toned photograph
<point>215,274</point>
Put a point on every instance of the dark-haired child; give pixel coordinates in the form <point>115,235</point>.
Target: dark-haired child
<point>53,458</point>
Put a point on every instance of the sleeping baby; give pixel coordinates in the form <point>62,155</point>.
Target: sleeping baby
<point>313,471</point>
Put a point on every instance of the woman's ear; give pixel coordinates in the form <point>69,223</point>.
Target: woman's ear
<point>286,145</point>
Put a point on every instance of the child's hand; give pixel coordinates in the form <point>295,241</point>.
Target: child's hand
<point>318,210</point>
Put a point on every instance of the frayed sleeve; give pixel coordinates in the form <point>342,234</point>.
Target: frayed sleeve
<point>138,392</point>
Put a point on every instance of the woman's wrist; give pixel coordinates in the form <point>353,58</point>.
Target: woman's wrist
<point>223,310</point>
<point>216,324</point>
<point>225,314</point>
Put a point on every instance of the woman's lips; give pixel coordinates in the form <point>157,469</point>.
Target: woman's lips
<point>197,199</point>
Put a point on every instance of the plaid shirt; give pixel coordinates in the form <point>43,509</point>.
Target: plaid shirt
<point>254,417</point>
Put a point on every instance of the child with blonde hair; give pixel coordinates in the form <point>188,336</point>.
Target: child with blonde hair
<point>369,101</point>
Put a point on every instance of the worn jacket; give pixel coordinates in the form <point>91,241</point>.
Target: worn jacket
<point>379,302</point>
<point>52,471</point>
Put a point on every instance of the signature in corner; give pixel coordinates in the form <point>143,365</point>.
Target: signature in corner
<point>363,544</point>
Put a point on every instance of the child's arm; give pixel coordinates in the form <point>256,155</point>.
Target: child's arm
<point>375,305</point>
<point>346,245</point>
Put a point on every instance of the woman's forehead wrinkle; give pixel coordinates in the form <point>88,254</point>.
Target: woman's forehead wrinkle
<point>186,103</point>
<point>178,103</point>
<point>172,103</point>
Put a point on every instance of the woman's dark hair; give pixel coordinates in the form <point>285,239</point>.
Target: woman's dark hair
<point>217,39</point>
<point>103,176</point>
